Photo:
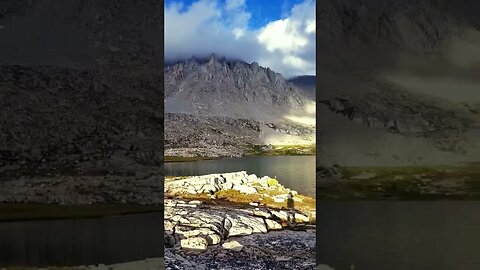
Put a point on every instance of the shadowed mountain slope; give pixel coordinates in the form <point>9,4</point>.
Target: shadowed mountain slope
<point>396,83</point>
<point>80,86</point>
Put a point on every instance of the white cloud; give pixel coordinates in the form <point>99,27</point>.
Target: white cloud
<point>232,4</point>
<point>238,32</point>
<point>311,26</point>
<point>282,35</point>
<point>286,46</point>
<point>294,61</point>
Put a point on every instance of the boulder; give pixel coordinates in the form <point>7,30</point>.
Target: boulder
<point>239,229</point>
<point>273,225</point>
<point>227,185</point>
<point>209,189</point>
<point>216,180</point>
<point>184,232</point>
<point>245,189</point>
<point>262,213</point>
<point>252,178</point>
<point>282,215</point>
<point>233,246</point>
<point>301,218</point>
<point>237,178</point>
<point>263,181</point>
<point>194,244</point>
<point>213,239</point>
<point>257,224</point>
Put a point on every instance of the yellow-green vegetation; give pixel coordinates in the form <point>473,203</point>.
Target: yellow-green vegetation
<point>12,211</point>
<point>235,196</point>
<point>272,182</point>
<point>263,197</point>
<point>186,159</point>
<point>282,150</point>
<point>188,196</point>
<point>460,182</point>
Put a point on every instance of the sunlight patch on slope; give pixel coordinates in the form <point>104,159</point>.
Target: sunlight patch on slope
<point>307,117</point>
<point>286,139</point>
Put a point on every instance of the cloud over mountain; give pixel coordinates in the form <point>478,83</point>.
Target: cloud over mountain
<point>286,45</point>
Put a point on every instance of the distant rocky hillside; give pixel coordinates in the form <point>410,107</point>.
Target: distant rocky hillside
<point>218,103</point>
<point>307,84</point>
<point>230,88</point>
<point>80,87</point>
<point>396,83</point>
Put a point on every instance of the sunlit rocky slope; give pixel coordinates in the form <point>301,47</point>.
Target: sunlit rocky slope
<point>231,105</point>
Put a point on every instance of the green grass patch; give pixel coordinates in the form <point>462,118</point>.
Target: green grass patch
<point>272,182</point>
<point>282,150</point>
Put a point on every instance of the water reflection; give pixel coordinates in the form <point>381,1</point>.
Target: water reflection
<point>81,241</point>
<point>295,172</point>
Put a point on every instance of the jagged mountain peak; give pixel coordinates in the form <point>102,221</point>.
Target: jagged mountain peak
<point>223,62</point>
<point>231,88</point>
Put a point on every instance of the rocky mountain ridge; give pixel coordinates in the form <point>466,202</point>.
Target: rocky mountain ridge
<point>383,71</point>
<point>307,83</point>
<point>228,104</point>
<point>229,88</point>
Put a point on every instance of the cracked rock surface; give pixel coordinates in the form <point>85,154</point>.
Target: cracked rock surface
<point>214,234</point>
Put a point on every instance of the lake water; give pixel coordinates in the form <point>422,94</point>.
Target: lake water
<point>81,241</point>
<point>378,235</point>
<point>440,235</point>
<point>294,172</point>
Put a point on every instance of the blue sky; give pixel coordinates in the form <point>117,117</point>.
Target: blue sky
<point>262,11</point>
<point>279,34</point>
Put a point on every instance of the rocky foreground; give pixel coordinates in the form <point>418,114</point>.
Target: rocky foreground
<point>147,264</point>
<point>237,221</point>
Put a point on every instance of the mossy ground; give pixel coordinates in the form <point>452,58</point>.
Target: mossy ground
<point>12,211</point>
<point>282,150</point>
<point>405,183</point>
<point>259,150</point>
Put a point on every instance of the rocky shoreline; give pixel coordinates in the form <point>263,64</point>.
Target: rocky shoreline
<point>454,181</point>
<point>141,189</point>
<point>237,221</point>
